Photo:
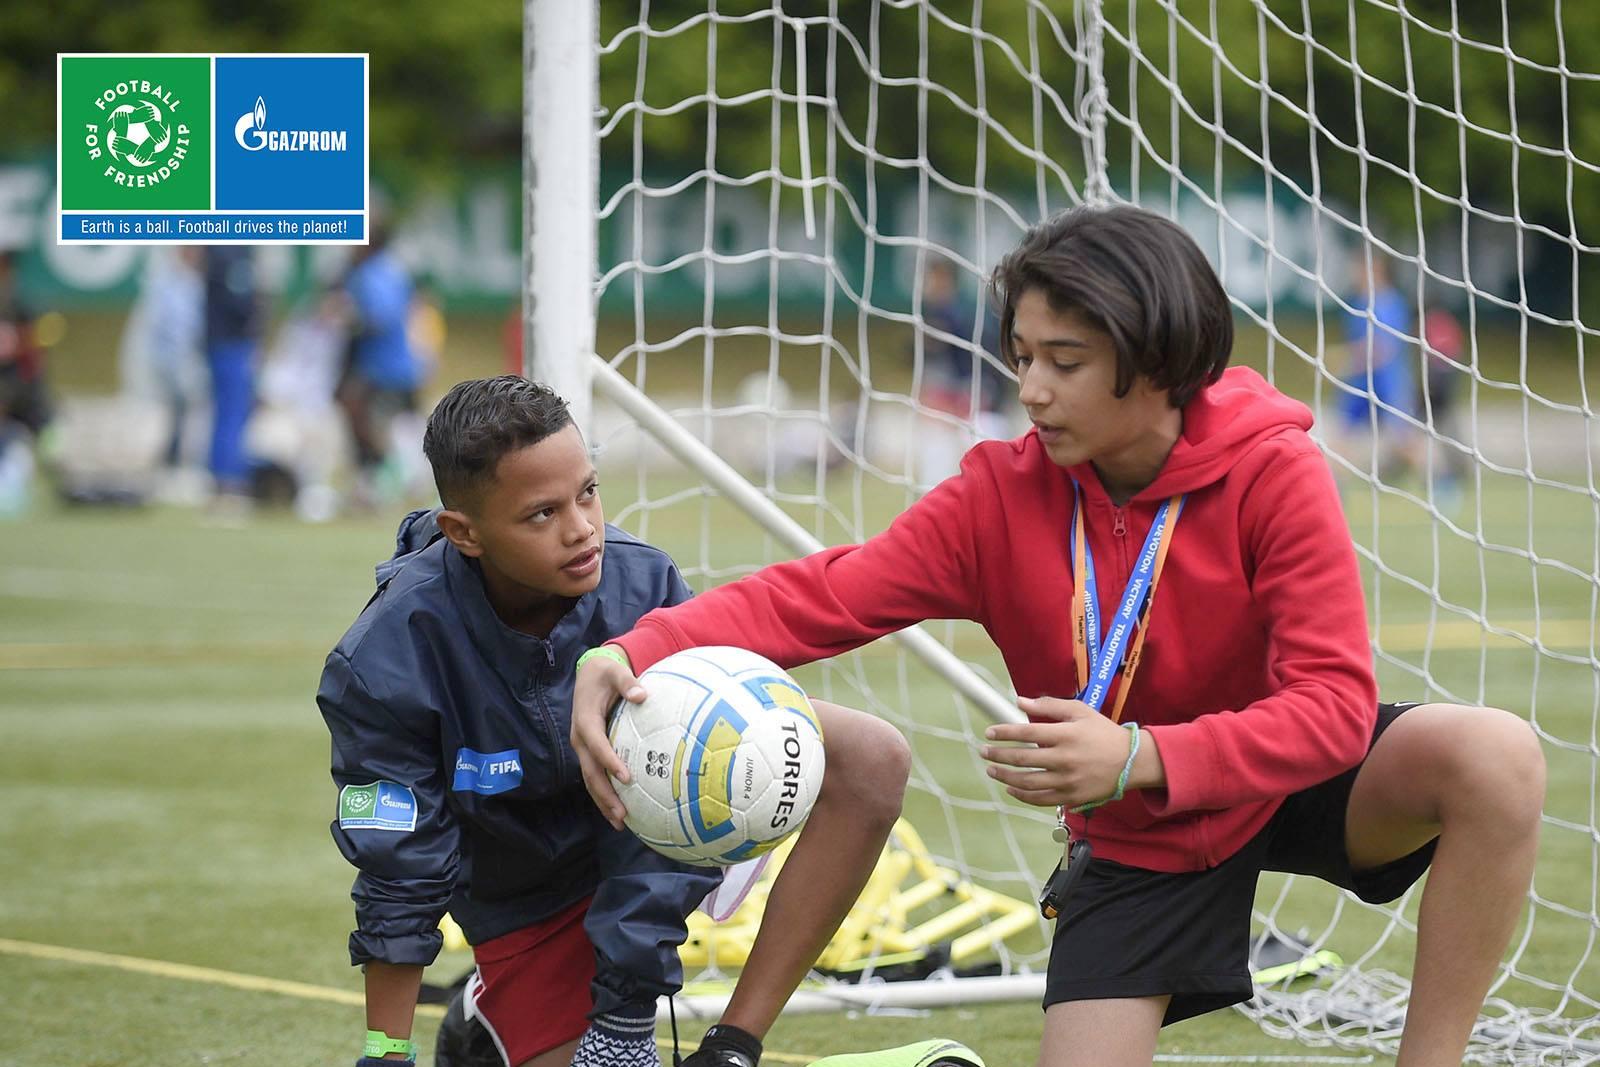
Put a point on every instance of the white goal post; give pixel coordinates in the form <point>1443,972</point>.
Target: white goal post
<point>756,239</point>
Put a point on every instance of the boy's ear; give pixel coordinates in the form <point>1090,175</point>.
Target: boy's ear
<point>457,527</point>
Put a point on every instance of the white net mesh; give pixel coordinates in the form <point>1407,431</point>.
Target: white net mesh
<point>796,215</point>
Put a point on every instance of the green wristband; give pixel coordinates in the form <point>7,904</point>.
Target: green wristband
<point>1127,768</point>
<point>1122,779</point>
<point>607,652</point>
<point>380,1044</point>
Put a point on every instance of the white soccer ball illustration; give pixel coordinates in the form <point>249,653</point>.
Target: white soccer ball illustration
<point>136,132</point>
<point>726,756</point>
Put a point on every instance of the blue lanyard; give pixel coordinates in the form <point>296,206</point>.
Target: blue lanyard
<point>1103,660</point>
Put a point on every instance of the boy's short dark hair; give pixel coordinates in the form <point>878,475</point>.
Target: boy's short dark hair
<point>1135,275</point>
<point>479,422</point>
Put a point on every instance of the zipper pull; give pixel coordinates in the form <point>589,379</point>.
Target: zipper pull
<point>549,654</point>
<point>1119,522</point>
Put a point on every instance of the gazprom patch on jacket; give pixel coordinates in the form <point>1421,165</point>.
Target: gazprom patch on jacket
<point>377,806</point>
<point>487,773</point>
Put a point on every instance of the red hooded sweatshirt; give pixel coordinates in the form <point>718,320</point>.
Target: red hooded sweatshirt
<point>1256,678</point>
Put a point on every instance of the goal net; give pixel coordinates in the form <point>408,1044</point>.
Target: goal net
<point>773,223</point>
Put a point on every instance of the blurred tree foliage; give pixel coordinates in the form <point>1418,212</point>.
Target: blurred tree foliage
<point>445,77</point>
<point>1345,96</point>
<point>1465,98</point>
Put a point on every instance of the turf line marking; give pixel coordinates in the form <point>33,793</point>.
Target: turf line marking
<point>1176,1058</point>
<point>253,983</point>
<point>189,973</point>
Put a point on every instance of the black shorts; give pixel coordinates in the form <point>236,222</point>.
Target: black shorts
<point>1128,932</point>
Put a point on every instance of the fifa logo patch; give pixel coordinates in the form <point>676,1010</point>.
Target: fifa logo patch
<point>487,773</point>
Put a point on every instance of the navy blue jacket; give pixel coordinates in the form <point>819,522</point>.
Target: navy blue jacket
<point>459,788</point>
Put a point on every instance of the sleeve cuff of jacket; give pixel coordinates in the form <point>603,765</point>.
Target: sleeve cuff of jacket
<point>646,645</point>
<point>419,949</point>
<point>1192,765</point>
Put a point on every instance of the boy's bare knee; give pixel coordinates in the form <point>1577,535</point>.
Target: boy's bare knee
<point>881,791</point>
<point>1522,765</point>
<point>868,764</point>
<point>1496,760</point>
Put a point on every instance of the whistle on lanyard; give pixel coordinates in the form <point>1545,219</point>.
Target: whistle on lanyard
<point>1074,859</point>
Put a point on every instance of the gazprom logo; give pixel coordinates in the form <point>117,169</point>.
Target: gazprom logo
<point>253,136</point>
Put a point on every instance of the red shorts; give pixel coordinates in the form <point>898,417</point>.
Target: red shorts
<point>531,990</point>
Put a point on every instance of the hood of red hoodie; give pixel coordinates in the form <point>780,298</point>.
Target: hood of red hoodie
<point>1220,425</point>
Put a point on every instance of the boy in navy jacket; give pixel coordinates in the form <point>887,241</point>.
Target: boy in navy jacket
<point>449,703</point>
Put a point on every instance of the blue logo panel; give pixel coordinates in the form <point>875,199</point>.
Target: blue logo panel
<point>291,133</point>
<point>487,773</point>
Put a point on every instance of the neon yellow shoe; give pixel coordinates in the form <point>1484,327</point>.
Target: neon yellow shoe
<point>935,1053</point>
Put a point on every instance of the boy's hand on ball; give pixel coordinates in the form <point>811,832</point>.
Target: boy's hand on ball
<point>599,684</point>
<point>1076,758</point>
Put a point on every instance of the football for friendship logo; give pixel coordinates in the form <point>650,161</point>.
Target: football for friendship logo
<point>135,132</point>
<point>143,135</point>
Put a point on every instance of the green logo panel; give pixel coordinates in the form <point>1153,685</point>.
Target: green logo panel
<point>135,133</point>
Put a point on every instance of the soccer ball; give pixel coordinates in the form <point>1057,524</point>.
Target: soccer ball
<point>136,133</point>
<point>725,753</point>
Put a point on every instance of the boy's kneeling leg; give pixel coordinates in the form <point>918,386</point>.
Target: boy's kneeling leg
<point>636,921</point>
<point>530,994</point>
<point>1102,1033</point>
<point>462,1041</point>
<point>862,790</point>
<point>1474,778</point>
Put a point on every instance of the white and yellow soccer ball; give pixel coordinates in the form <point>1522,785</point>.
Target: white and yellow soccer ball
<point>725,753</point>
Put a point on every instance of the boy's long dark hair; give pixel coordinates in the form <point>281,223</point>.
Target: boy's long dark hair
<point>1135,275</point>
<point>478,422</point>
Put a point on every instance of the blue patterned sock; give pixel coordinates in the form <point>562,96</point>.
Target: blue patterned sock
<point>618,1041</point>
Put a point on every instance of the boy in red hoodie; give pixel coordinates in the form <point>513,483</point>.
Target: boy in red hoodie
<point>1163,563</point>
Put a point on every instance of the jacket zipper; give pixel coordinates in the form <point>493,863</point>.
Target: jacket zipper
<point>544,710</point>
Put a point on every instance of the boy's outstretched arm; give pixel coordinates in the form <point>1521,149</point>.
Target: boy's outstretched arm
<point>924,566</point>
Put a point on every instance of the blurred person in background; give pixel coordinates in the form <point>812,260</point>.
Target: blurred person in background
<point>1446,343</point>
<point>427,329</point>
<point>163,363</point>
<point>1380,369</point>
<point>233,321</point>
<point>296,428</point>
<point>949,369</point>
<point>383,374</point>
<point>511,339</point>
<point>22,382</point>
<point>24,402</point>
